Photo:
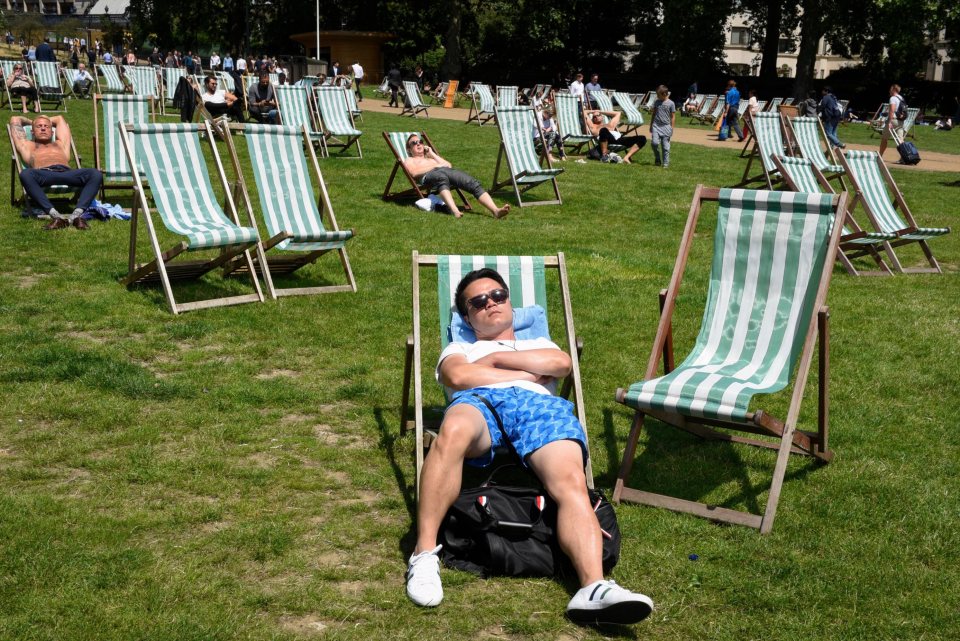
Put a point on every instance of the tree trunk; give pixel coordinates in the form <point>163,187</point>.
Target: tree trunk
<point>451,67</point>
<point>771,41</point>
<point>811,30</point>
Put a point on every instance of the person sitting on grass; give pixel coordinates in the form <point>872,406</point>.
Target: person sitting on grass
<point>433,172</point>
<point>515,379</point>
<point>48,163</point>
<point>607,133</point>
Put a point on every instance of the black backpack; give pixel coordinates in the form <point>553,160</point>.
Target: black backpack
<point>901,113</point>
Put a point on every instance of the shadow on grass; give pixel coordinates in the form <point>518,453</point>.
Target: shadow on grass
<point>675,463</point>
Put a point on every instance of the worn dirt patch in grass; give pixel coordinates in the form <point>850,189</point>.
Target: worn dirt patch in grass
<point>271,374</point>
<point>28,280</point>
<point>307,625</point>
<point>328,435</point>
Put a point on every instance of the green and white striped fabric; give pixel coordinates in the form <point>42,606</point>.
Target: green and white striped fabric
<point>307,81</point>
<point>120,109</point>
<point>717,109</point>
<point>7,66</point>
<point>652,98</point>
<point>507,95</point>
<point>332,103</point>
<point>788,101</point>
<point>525,277</point>
<point>274,78</point>
<point>352,102</point>
<point>603,102</point>
<point>707,105</point>
<point>912,113</point>
<point>295,109</point>
<point>225,81</point>
<point>865,173</point>
<point>769,254</point>
<point>143,80</point>
<point>801,173</point>
<point>112,77</point>
<point>631,115</point>
<point>287,197</point>
<point>47,76</point>
<point>569,120</point>
<point>807,130</point>
<point>171,77</point>
<point>515,124</point>
<point>412,101</point>
<point>176,172</point>
<point>398,140</point>
<point>484,98</point>
<point>774,104</point>
<point>742,108</point>
<point>769,138</point>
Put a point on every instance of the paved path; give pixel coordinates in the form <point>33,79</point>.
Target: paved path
<point>932,161</point>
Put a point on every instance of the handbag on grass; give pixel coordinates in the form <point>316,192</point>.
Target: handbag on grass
<point>500,530</point>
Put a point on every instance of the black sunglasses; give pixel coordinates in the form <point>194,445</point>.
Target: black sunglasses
<point>498,296</point>
<point>413,143</point>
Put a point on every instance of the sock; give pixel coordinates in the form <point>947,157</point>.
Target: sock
<point>76,214</point>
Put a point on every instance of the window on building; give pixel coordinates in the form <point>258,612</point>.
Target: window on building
<point>740,36</point>
<point>740,69</point>
<point>786,45</point>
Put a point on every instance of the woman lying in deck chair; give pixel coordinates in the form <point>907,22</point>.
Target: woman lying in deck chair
<point>434,172</point>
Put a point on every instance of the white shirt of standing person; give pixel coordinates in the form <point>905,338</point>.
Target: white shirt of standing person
<point>357,71</point>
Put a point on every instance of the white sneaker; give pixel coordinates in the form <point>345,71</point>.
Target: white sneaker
<point>423,578</point>
<point>606,602</point>
<point>425,204</point>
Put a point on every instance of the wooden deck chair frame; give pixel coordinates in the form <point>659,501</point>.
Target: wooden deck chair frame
<point>102,70</point>
<point>763,149</point>
<point>511,268</point>
<point>911,233</point>
<point>514,142</point>
<point>412,100</point>
<point>341,141</point>
<point>478,109</point>
<point>854,241</point>
<point>415,190</point>
<point>282,262</point>
<point>163,268</point>
<point>17,165</point>
<point>112,182</point>
<point>54,94</point>
<point>789,438</point>
<point>808,149</point>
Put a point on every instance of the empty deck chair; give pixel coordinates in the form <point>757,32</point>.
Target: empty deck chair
<point>517,147</point>
<point>336,121</point>
<point>171,78</point>
<point>352,104</point>
<point>788,101</point>
<point>295,106</point>
<point>765,307</point>
<point>482,105</point>
<point>175,175</point>
<point>527,279</point>
<point>719,108</point>
<point>108,111</point>
<point>811,139</point>
<point>507,95</point>
<point>774,105</point>
<point>706,106</point>
<point>871,179</point>
<point>18,195</point>
<point>143,81</point>
<point>293,204</point>
<point>800,174</point>
<point>650,99</point>
<point>767,130</point>
<point>412,103</point>
<point>632,118</point>
<point>109,80</point>
<point>397,143</point>
<point>570,122</point>
<point>46,76</point>
<point>383,89</point>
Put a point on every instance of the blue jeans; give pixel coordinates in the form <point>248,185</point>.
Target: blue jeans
<point>830,127</point>
<point>34,181</point>
<point>733,122</point>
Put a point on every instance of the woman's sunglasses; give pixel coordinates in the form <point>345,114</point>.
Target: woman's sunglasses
<point>498,296</point>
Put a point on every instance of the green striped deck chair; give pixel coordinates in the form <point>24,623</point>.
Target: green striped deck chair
<point>18,195</point>
<point>143,81</point>
<point>788,101</point>
<point>766,305</point>
<point>604,102</point>
<point>871,180</point>
<point>811,139</point>
<point>46,75</point>
<point>225,81</point>
<point>650,99</point>
<point>570,122</point>
<point>293,202</point>
<point>412,102</point>
<point>706,106</point>
<point>632,118</point>
<point>909,121</point>
<point>718,110</point>
<point>109,80</point>
<point>774,106</point>
<point>843,107</point>
<point>767,130</point>
<point>527,279</point>
<point>295,106</point>
<point>307,81</point>
<point>800,174</point>
<point>482,105</point>
<point>108,111</point>
<point>397,143</point>
<point>383,89</point>
<point>439,95</point>
<point>507,95</point>
<point>517,147</point>
<point>175,174</point>
<point>748,147</point>
<point>352,105</point>
<point>336,120</point>
<point>7,67</point>
<point>171,78</point>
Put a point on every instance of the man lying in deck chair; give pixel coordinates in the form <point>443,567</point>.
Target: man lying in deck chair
<point>498,374</point>
<point>433,172</point>
<point>48,163</point>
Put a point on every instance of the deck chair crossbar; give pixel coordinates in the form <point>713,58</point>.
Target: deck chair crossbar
<point>766,306</point>
<point>526,278</point>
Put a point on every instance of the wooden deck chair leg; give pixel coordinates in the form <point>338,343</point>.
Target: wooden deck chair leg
<point>629,452</point>
<point>822,448</point>
<point>407,371</point>
<point>892,257</point>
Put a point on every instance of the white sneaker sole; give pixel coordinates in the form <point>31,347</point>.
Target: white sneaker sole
<point>624,613</point>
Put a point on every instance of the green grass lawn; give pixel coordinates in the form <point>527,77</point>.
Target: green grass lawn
<point>238,473</point>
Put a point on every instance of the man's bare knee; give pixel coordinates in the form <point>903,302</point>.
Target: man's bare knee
<point>461,432</point>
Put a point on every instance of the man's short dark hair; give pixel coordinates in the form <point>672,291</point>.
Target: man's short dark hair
<point>475,275</point>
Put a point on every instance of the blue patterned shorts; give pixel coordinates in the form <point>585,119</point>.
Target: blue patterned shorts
<point>531,420</point>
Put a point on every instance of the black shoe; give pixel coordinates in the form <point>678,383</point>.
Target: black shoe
<point>740,139</point>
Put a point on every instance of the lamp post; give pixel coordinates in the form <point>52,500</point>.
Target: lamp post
<point>317,55</point>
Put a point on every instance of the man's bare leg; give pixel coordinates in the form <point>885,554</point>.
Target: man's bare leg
<point>450,202</point>
<point>487,201</point>
<point>634,149</point>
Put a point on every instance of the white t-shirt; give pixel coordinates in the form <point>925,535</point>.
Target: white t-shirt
<point>241,64</point>
<point>216,98</point>
<point>358,71</point>
<point>479,349</point>
<point>214,61</point>
<point>895,103</point>
<point>576,88</point>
